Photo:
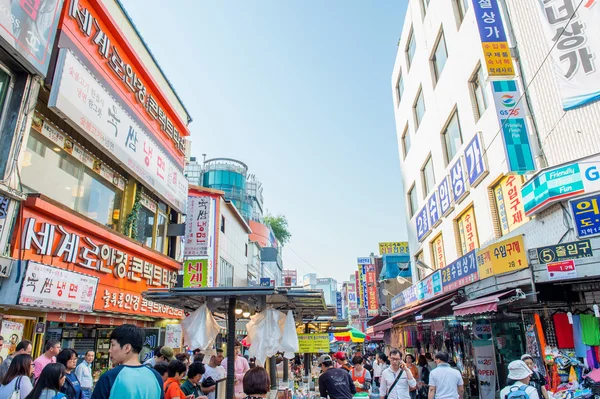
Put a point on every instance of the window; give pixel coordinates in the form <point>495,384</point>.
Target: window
<point>6,137</point>
<point>222,224</point>
<point>412,201</point>
<point>145,226</point>
<point>452,137</point>
<point>467,232</point>
<point>411,47</point>
<point>419,109</point>
<point>462,6</point>
<point>440,55</point>
<point>161,233</point>
<point>478,94</point>
<point>424,5</point>
<point>246,250</point>
<point>419,259</point>
<point>405,141</point>
<point>428,177</point>
<point>400,87</point>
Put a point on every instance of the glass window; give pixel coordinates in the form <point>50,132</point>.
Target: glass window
<point>406,141</point>
<point>69,181</point>
<point>161,232</point>
<point>412,200</point>
<point>400,88</point>
<point>478,93</point>
<point>419,109</point>
<point>6,137</point>
<point>424,5</point>
<point>462,8</point>
<point>411,47</point>
<point>439,57</point>
<point>428,177</point>
<point>145,226</point>
<point>452,137</point>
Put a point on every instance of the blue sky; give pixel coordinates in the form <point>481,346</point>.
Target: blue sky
<point>299,91</point>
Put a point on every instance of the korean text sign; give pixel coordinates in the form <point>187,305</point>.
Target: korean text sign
<point>430,286</point>
<point>459,273</point>
<point>372,300</point>
<point>565,251</point>
<point>386,248</point>
<point>194,273</point>
<point>313,343</point>
<point>422,223</point>
<point>586,215</point>
<point>493,39</point>
<point>502,257</point>
<point>509,203</point>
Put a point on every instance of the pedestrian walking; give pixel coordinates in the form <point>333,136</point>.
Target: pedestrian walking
<point>342,361</point>
<point>51,349</point>
<point>410,363</point>
<point>256,383</point>
<point>520,374</point>
<point>72,388</point>
<point>423,380</point>
<point>49,383</point>
<point>537,380</point>
<point>432,364</point>
<point>23,348</point>
<point>17,377</point>
<point>177,370</point>
<point>240,367</point>
<point>360,376</point>
<point>396,380</point>
<point>445,382</point>
<point>129,379</point>
<point>334,383</point>
<point>83,372</point>
<point>157,358</point>
<point>377,369</point>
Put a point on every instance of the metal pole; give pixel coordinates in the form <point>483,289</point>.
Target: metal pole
<point>307,363</point>
<point>273,372</point>
<point>230,387</point>
<point>286,366</point>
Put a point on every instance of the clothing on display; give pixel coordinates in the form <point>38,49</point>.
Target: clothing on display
<point>563,330</point>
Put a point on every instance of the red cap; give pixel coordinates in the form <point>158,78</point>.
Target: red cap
<point>340,355</point>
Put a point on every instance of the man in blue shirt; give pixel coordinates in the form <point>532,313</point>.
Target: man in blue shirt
<point>129,379</point>
<point>83,372</point>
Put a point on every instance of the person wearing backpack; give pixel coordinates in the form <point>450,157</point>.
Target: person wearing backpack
<point>16,383</point>
<point>520,389</point>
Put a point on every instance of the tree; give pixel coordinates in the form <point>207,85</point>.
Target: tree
<point>279,225</point>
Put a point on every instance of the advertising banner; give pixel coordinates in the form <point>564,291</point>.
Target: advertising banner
<point>338,305</point>
<point>586,216</point>
<point>173,336</point>
<point>467,229</point>
<point>352,305</point>
<point>50,287</point>
<point>363,282</point>
<point>387,248</point>
<point>12,332</point>
<point>575,52</point>
<point>459,273</point>
<point>359,295</point>
<point>422,223</point>
<point>77,95</point>
<point>511,117</point>
<point>476,160</point>
<point>562,270</point>
<point>372,300</point>
<point>502,257</point>
<point>430,286</point>
<point>437,248</point>
<point>194,273</point>
<point>485,362</point>
<point>509,203</point>
<point>313,343</point>
<point>565,251</point>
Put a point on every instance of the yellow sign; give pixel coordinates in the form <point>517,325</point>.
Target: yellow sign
<point>437,251</point>
<point>361,291</point>
<point>399,248</point>
<point>503,257</point>
<point>313,343</point>
<point>509,203</point>
<point>467,229</point>
<point>498,60</point>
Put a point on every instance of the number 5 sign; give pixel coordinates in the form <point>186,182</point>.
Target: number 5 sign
<point>476,160</point>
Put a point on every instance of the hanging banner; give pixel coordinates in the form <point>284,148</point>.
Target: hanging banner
<point>467,229</point>
<point>313,343</point>
<point>372,300</point>
<point>437,249</point>
<point>485,362</point>
<point>12,332</point>
<point>509,203</point>
<point>338,305</point>
<point>575,52</point>
<point>194,273</point>
<point>351,292</point>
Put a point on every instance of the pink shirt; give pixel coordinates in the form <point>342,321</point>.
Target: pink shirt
<point>40,363</point>
<point>241,366</point>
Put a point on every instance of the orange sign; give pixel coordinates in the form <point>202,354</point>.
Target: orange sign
<point>92,319</point>
<point>468,231</point>
<point>96,36</point>
<point>56,237</point>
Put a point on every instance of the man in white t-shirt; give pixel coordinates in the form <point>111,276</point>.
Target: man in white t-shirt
<point>444,381</point>
<point>520,373</point>
<point>216,372</point>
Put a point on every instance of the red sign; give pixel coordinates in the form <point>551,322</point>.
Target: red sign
<point>561,270</point>
<point>92,319</point>
<point>373,305</point>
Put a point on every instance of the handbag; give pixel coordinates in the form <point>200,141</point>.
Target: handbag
<point>208,382</point>
<point>16,394</point>
<point>393,385</point>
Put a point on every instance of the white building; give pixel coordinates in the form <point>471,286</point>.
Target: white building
<point>233,246</point>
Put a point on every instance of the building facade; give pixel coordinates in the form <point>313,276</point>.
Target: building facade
<point>290,277</point>
<point>329,287</point>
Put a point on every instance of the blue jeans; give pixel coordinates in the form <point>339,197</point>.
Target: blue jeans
<point>86,393</point>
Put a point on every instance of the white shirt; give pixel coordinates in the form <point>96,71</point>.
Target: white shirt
<point>401,389</point>
<point>446,381</point>
<point>531,391</point>
<point>83,372</point>
<point>217,373</point>
<point>377,369</point>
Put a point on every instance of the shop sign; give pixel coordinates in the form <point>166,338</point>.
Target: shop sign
<point>445,197</point>
<point>467,229</point>
<point>358,290</point>
<point>194,273</point>
<point>502,257</point>
<point>365,260</point>
<point>265,281</point>
<point>485,364</point>
<point>482,329</point>
<point>422,222</point>
<point>586,216</point>
<point>111,52</point>
<point>112,299</point>
<point>363,281</point>
<point>511,118</point>
<point>30,28</point>
<point>148,203</point>
<point>496,52</point>
<point>397,302</point>
<point>338,305</point>
<point>575,52</point>
<point>410,295</point>
<point>458,183</point>
<point>434,210</point>
<point>50,287</point>
<point>476,161</point>
<point>459,273</point>
<point>198,225</point>
<point>313,343</point>
<point>565,251</point>
<point>77,95</point>
<point>430,286</point>
<point>173,336</point>
<point>509,203</point>
<point>437,248</point>
<point>351,292</point>
<point>562,182</point>
<point>561,270</point>
<point>92,319</point>
<point>373,302</point>
<point>13,334</point>
<point>398,248</point>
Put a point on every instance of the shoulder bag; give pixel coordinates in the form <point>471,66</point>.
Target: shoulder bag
<point>16,394</point>
<point>394,384</point>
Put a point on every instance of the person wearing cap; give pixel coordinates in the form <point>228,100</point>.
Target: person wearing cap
<point>167,353</point>
<point>445,382</point>
<point>334,383</point>
<point>521,375</point>
<point>342,361</point>
<point>537,380</point>
<point>240,367</point>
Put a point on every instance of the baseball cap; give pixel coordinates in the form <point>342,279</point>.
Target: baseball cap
<point>167,353</point>
<point>340,355</point>
<point>323,359</point>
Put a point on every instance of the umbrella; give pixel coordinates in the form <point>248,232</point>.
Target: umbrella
<point>245,342</point>
<point>352,334</point>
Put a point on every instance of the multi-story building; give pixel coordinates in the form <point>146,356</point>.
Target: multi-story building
<point>290,277</point>
<point>329,287</point>
<point>309,281</point>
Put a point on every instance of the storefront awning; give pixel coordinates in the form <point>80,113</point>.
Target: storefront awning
<point>370,331</point>
<point>377,337</point>
<point>486,304</point>
<point>416,309</point>
<point>383,326</point>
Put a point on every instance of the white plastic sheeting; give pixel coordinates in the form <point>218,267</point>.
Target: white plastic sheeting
<point>200,329</point>
<point>271,331</point>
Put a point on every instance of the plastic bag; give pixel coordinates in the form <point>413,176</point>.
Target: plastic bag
<point>200,329</point>
<point>289,340</point>
<point>265,333</point>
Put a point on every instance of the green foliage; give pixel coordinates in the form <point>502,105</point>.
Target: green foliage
<point>130,227</point>
<point>279,225</point>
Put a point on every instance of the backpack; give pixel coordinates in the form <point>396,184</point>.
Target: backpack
<point>518,393</point>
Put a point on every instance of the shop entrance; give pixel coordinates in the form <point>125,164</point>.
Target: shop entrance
<point>509,345</point>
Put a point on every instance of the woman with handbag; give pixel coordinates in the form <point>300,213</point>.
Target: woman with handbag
<point>16,383</point>
<point>423,380</point>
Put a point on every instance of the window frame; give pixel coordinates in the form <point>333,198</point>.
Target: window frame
<point>405,134</point>
<point>447,156</point>
<point>412,212</point>
<point>460,12</point>
<point>223,224</point>
<point>400,87</point>
<point>411,40</point>
<point>426,190</point>
<point>424,7</point>
<point>417,120</point>
<point>433,58</point>
<point>477,78</point>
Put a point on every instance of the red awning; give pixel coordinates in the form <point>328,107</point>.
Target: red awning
<point>377,337</point>
<point>417,308</point>
<point>486,304</point>
<point>370,331</point>
<point>383,326</point>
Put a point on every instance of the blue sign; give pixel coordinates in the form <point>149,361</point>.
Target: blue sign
<point>461,272</point>
<point>474,157</point>
<point>363,260</point>
<point>489,21</point>
<point>430,286</point>
<point>457,181</point>
<point>423,225</point>
<point>445,197</point>
<point>434,212</point>
<point>397,302</point>
<point>338,301</point>
<point>410,295</point>
<point>265,282</point>
<point>586,216</point>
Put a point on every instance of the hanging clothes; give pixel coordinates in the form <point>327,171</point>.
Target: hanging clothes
<point>580,347</point>
<point>540,333</point>
<point>550,332</point>
<point>590,330</point>
<point>563,330</point>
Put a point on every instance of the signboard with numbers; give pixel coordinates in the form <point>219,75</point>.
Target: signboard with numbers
<point>586,216</point>
<point>575,52</point>
<point>445,196</point>
<point>459,273</point>
<point>509,203</point>
<point>496,52</point>
<point>502,257</point>
<point>565,251</point>
<point>467,229</point>
<point>313,343</point>
<point>561,270</point>
<point>423,225</point>
<point>458,184</point>
<point>434,211</point>
<point>476,160</point>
